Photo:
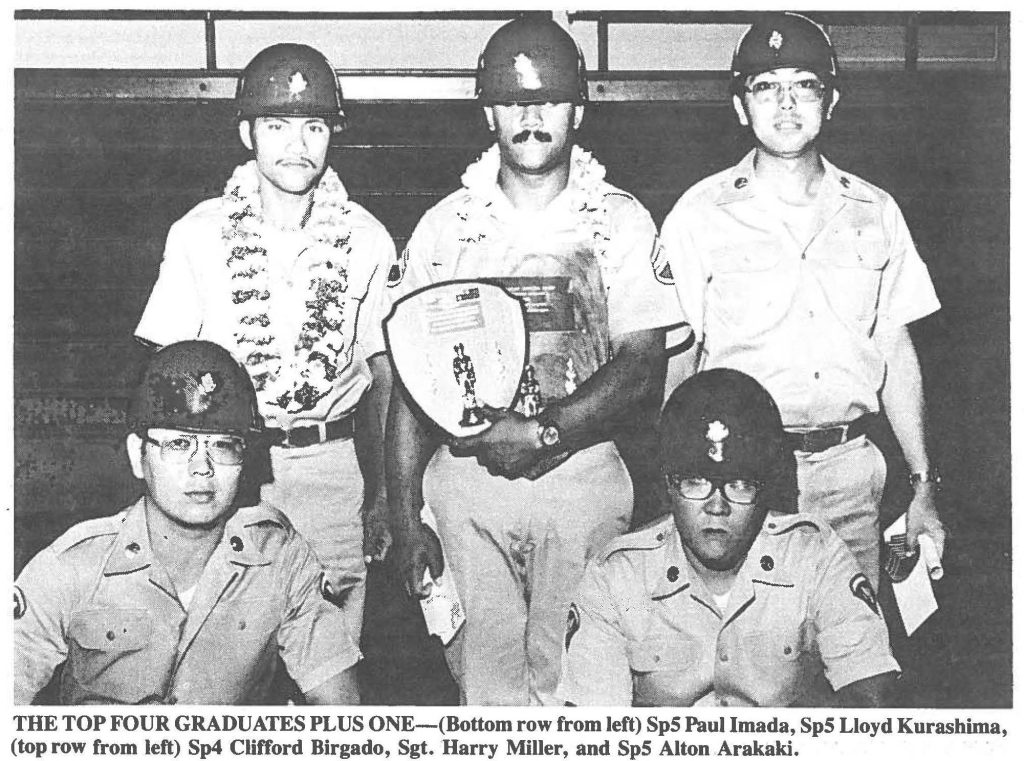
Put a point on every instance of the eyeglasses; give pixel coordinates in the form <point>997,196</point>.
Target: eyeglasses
<point>807,90</point>
<point>223,450</point>
<point>738,491</point>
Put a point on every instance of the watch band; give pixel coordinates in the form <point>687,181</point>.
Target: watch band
<point>930,476</point>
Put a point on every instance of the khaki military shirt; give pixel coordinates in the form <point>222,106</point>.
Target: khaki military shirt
<point>96,601</point>
<point>645,630</point>
<point>798,315</point>
<point>582,265</point>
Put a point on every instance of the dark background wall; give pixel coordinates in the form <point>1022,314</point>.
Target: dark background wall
<point>99,181</point>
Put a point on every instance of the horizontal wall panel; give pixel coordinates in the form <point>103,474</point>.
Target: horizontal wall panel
<point>864,46</point>
<point>679,47</point>
<point>109,44</point>
<point>361,44</point>
<point>947,44</point>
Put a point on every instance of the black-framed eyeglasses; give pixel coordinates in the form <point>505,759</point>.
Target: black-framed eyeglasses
<point>805,90</point>
<point>179,449</point>
<point>739,491</point>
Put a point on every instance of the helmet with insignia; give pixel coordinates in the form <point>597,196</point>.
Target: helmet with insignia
<point>531,60</point>
<point>195,386</point>
<point>723,424</point>
<point>289,79</point>
<point>784,40</point>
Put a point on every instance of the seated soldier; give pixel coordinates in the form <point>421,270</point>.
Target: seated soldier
<point>182,597</point>
<point>714,604</point>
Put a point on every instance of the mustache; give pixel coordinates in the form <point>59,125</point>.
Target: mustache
<point>538,135</point>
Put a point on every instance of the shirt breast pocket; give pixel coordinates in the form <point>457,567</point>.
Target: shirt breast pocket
<point>773,660</point>
<point>666,670</point>
<point>852,277</point>
<point>106,648</point>
<point>749,287</point>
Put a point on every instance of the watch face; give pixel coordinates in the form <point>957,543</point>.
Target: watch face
<point>549,436</point>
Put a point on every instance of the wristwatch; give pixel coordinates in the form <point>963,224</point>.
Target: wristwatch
<point>548,435</point>
<point>930,476</point>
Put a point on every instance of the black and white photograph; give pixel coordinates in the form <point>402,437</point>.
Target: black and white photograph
<point>276,440</point>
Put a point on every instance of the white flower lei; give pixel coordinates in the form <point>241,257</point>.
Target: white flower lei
<point>286,375</point>
<point>586,188</point>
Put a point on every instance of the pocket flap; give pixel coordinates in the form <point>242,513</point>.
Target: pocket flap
<point>113,629</point>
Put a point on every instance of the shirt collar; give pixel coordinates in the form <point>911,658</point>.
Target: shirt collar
<point>239,545</point>
<point>741,183</point>
<point>763,566</point>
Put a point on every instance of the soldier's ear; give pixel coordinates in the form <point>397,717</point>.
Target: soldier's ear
<point>489,115</point>
<point>577,117</point>
<point>245,133</point>
<point>741,111</point>
<point>134,444</point>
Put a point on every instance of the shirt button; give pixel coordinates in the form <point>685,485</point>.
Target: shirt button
<point>810,313</point>
<point>803,256</point>
<point>724,657</point>
<point>236,544</point>
<point>132,550</point>
<point>817,376</point>
<point>111,635</point>
<point>673,573</point>
<point>741,182</point>
<point>787,650</point>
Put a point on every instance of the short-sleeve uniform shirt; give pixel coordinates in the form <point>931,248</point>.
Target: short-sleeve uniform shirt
<point>645,630</point>
<point>302,309</point>
<point>799,315</point>
<point>582,266</point>
<point>96,601</point>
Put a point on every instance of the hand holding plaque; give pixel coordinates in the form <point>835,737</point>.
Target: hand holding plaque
<point>457,347</point>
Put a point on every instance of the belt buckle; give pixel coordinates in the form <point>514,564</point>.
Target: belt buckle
<point>825,438</point>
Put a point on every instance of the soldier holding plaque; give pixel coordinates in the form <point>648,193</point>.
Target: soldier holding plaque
<point>522,504</point>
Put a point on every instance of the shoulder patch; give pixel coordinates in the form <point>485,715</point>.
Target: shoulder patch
<point>660,265</point>
<point>650,536</point>
<point>21,604</point>
<point>862,590</point>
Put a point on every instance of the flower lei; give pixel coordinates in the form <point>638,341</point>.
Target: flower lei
<point>586,189</point>
<point>293,378</point>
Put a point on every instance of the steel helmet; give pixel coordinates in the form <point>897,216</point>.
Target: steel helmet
<point>289,79</point>
<point>722,423</point>
<point>784,40</point>
<point>195,386</point>
<point>531,60</point>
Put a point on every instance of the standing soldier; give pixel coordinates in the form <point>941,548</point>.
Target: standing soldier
<point>805,277</point>
<point>519,521</point>
<point>289,274</point>
<point>182,597</point>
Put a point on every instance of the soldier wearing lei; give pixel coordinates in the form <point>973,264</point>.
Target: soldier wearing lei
<point>521,506</point>
<point>289,274</point>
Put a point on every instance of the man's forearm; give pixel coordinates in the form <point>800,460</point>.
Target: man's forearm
<point>371,417</point>
<point>636,373</point>
<point>903,397</point>
<point>409,445</point>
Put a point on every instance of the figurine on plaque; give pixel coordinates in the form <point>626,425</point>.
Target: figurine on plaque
<point>529,394</point>
<point>465,376</point>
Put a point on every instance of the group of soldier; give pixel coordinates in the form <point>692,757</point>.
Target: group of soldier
<point>797,280</point>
